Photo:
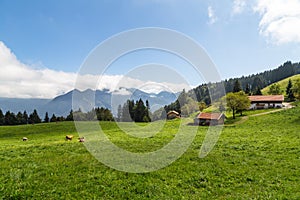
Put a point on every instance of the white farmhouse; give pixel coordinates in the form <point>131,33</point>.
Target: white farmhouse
<point>265,102</point>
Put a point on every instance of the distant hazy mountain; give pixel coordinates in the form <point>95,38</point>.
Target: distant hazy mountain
<point>86,100</point>
<point>15,105</point>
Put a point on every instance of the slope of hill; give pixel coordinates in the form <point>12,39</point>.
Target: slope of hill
<point>254,81</point>
<point>258,159</point>
<point>282,84</point>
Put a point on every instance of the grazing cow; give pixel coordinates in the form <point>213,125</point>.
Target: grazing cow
<point>69,137</point>
<point>25,139</point>
<point>81,139</point>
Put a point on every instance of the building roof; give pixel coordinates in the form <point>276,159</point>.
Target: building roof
<point>172,112</point>
<point>211,116</point>
<point>267,98</point>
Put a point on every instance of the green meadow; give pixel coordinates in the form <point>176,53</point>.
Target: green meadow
<point>282,84</point>
<point>256,159</point>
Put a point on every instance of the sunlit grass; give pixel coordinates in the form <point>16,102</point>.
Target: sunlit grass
<point>258,159</point>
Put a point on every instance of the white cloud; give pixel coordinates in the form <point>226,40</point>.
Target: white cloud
<point>238,6</point>
<point>211,15</point>
<point>18,80</point>
<point>280,21</point>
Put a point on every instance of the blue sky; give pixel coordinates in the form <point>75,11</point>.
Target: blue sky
<point>241,37</point>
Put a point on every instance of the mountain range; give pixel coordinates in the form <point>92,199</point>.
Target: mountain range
<point>86,100</point>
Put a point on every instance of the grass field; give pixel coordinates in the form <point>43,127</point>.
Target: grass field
<point>258,159</point>
<point>282,84</point>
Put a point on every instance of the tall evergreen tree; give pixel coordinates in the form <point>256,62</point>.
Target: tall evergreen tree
<point>139,111</point>
<point>289,91</point>
<point>60,119</point>
<point>147,117</point>
<point>147,104</point>
<point>34,118</point>
<point>25,118</point>
<point>70,116</point>
<point>108,116</point>
<point>257,83</point>
<point>237,86</point>
<point>248,90</point>
<point>19,117</point>
<point>53,118</point>
<point>131,108</point>
<point>1,118</point>
<point>46,119</point>
<point>257,91</point>
<point>10,118</point>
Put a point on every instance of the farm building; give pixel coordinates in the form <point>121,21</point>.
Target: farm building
<point>206,119</point>
<point>173,114</point>
<point>265,102</point>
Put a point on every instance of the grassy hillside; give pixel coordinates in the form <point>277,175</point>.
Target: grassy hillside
<point>258,159</point>
<point>283,83</point>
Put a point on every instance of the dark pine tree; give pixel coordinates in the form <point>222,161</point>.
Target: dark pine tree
<point>34,118</point>
<point>131,108</point>
<point>19,117</point>
<point>60,119</point>
<point>257,91</point>
<point>25,118</point>
<point>53,118</point>
<point>147,105</point>
<point>289,91</point>
<point>257,83</point>
<point>146,117</point>
<point>1,118</point>
<point>237,86</point>
<point>70,116</point>
<point>46,119</point>
<point>139,112</point>
<point>247,90</point>
<point>108,116</point>
<point>10,118</point>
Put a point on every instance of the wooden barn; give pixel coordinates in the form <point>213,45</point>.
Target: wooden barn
<point>206,119</point>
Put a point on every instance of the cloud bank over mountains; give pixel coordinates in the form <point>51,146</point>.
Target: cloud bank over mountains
<point>18,80</point>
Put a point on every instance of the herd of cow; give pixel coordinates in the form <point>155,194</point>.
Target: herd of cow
<point>68,138</point>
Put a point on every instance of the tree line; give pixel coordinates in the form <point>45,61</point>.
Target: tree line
<point>237,91</point>
<point>131,111</point>
<point>10,118</point>
<point>137,111</point>
<point>251,84</point>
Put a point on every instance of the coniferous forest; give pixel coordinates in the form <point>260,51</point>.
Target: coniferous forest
<point>250,84</point>
<point>134,111</point>
<point>10,118</point>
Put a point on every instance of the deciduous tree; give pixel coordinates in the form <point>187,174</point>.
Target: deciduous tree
<point>274,89</point>
<point>237,102</point>
<point>296,89</point>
